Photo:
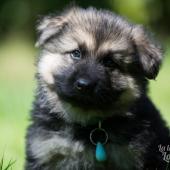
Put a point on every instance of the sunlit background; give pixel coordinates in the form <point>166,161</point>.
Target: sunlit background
<point>17,56</point>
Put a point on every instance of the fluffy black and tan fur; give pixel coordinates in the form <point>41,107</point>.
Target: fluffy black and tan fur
<point>94,66</point>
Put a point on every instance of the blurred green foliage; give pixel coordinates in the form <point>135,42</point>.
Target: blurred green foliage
<point>21,15</point>
<point>17,57</point>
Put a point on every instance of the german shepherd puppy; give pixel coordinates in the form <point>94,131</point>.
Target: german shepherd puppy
<point>91,109</point>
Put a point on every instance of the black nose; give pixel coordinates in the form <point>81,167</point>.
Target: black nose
<point>82,84</point>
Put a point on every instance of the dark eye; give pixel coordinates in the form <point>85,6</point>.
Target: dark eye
<point>108,62</point>
<point>76,54</point>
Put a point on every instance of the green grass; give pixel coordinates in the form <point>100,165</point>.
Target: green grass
<point>16,94</point>
<point>8,166</point>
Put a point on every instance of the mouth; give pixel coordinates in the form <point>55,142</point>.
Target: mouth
<point>98,100</point>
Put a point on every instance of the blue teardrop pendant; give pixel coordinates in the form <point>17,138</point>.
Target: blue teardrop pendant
<point>101,155</point>
<point>100,152</point>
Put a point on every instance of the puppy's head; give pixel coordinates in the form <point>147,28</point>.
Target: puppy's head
<point>94,61</point>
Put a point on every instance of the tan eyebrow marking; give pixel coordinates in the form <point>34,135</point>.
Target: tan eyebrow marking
<point>83,37</point>
<point>117,45</point>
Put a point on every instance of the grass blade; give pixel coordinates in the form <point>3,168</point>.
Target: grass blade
<point>2,162</point>
<point>9,165</point>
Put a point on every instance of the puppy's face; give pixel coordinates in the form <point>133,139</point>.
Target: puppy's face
<point>95,61</point>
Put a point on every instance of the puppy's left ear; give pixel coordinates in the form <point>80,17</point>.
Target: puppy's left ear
<point>49,26</point>
<point>149,52</point>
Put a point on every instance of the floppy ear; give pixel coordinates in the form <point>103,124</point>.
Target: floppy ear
<point>48,27</point>
<point>149,52</point>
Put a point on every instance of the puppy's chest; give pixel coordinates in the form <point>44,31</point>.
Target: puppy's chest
<point>121,154</point>
<point>118,157</point>
<point>74,150</point>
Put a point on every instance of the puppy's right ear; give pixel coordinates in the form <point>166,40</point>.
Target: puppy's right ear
<point>48,27</point>
<point>149,52</point>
